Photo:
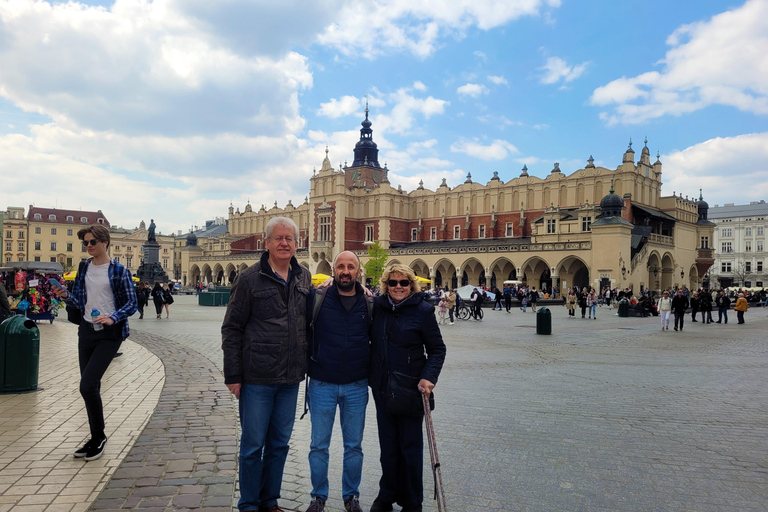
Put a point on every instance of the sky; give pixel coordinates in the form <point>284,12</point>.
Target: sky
<point>175,109</point>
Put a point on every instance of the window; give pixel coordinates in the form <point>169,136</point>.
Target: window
<point>69,232</point>
<point>759,284</point>
<point>759,246</point>
<point>414,234</point>
<point>69,246</point>
<point>53,231</point>
<point>748,266</point>
<point>369,233</point>
<point>301,242</point>
<point>551,226</point>
<point>586,223</point>
<point>37,258</point>
<point>38,216</point>
<point>258,245</point>
<point>100,220</point>
<point>759,230</point>
<point>325,228</point>
<point>127,261</point>
<point>8,246</point>
<point>37,246</point>
<point>747,284</point>
<point>70,218</point>
<point>53,259</point>
<point>8,258</point>
<point>456,232</point>
<point>21,235</point>
<point>726,232</point>
<point>15,216</point>
<point>747,245</point>
<point>117,247</point>
<point>725,267</point>
<point>433,233</point>
<point>53,246</point>
<point>705,242</point>
<point>52,217</point>
<point>8,234</point>
<point>117,259</point>
<point>20,258</point>
<point>69,262</point>
<point>84,220</point>
<point>759,267</point>
<point>165,249</point>
<point>21,246</point>
<point>165,262</point>
<point>481,231</point>
<point>510,229</point>
<point>749,231</point>
<point>726,247</point>
<point>38,230</point>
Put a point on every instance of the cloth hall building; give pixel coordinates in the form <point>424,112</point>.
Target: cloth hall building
<point>594,227</point>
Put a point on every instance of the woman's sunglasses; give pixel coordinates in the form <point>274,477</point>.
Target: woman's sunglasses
<point>403,282</point>
<point>92,241</point>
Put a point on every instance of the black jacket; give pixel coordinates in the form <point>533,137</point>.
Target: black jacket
<point>264,334</point>
<point>339,347</point>
<point>414,344</point>
<point>679,304</point>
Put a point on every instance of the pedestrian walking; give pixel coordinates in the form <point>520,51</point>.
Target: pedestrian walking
<point>142,297</point>
<point>158,299</point>
<point>694,302</point>
<point>741,308</point>
<point>592,303</point>
<point>570,303</point>
<point>508,298</point>
<point>264,340</point>
<point>664,306</point>
<point>583,301</point>
<point>105,296</point>
<point>442,310</point>
<point>450,302</point>
<point>723,304</point>
<point>167,299</point>
<point>679,308</point>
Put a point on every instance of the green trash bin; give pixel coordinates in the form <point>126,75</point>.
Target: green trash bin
<point>19,355</point>
<point>543,321</point>
<point>206,298</point>
<point>624,308</point>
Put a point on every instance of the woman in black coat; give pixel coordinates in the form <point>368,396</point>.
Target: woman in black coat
<point>158,299</point>
<point>406,340</point>
<point>142,296</point>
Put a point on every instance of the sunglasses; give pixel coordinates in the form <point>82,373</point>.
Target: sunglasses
<point>92,241</point>
<point>403,282</point>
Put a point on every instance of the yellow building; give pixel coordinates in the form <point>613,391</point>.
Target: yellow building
<point>15,235</point>
<point>593,227</point>
<point>53,234</point>
<point>127,247</point>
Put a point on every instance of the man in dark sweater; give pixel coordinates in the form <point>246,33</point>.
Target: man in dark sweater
<point>338,376</point>
<point>679,307</point>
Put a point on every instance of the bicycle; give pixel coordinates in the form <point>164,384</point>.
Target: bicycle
<point>464,312</point>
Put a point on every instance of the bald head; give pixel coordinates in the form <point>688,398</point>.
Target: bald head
<point>346,271</point>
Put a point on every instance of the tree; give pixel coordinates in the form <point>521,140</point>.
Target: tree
<point>377,261</point>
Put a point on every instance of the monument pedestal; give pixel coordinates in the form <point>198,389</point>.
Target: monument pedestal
<point>150,269</point>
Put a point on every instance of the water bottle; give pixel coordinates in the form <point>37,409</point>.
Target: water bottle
<point>94,314</point>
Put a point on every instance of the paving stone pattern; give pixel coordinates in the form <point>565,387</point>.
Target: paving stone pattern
<point>604,415</point>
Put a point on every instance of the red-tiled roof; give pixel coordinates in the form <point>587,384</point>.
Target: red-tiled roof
<point>61,216</point>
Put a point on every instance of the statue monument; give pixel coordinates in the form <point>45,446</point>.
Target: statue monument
<point>150,269</point>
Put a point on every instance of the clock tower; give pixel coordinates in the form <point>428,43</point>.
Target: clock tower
<point>365,171</point>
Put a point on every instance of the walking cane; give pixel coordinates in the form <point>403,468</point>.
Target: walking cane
<point>436,473</point>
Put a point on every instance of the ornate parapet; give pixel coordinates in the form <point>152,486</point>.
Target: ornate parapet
<point>501,248</point>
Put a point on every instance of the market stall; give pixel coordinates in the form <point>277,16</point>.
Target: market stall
<point>29,292</point>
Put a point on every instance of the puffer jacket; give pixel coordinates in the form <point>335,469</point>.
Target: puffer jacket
<point>264,334</point>
<point>414,344</point>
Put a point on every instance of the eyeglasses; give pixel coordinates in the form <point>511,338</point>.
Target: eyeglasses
<point>403,282</point>
<point>281,239</point>
<point>92,241</point>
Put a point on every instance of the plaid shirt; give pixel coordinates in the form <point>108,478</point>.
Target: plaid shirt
<point>123,292</point>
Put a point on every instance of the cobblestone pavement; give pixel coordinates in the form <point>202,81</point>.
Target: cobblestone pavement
<point>604,415</point>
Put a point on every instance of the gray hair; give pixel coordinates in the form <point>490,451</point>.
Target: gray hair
<point>282,221</point>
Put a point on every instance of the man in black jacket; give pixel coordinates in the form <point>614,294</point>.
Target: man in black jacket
<point>264,339</point>
<point>338,376</point>
<point>723,303</point>
<point>679,307</point>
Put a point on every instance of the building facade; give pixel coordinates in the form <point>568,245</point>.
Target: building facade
<point>127,247</point>
<point>550,232</point>
<point>739,242</point>
<point>15,235</point>
<point>53,234</point>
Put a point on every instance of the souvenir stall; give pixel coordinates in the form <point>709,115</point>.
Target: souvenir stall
<point>29,292</point>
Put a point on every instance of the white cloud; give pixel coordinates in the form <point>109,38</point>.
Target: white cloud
<point>416,27</point>
<point>497,150</point>
<point>405,106</point>
<point>722,61</point>
<point>419,86</point>
<point>556,69</point>
<point>480,55</point>
<point>473,90</point>
<point>498,80</point>
<point>337,108</point>
<point>728,169</point>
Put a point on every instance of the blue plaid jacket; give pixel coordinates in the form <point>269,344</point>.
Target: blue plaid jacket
<point>123,292</point>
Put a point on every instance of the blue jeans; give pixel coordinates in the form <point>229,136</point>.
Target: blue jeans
<point>352,400</point>
<point>267,413</point>
<point>593,310</point>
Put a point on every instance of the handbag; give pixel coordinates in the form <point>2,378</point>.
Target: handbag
<point>403,397</point>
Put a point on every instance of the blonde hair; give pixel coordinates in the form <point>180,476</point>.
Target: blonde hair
<point>399,268</point>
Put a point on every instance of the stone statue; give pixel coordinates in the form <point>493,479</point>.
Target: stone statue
<point>151,231</point>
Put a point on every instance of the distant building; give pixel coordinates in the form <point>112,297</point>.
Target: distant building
<point>15,235</point>
<point>53,234</point>
<point>127,247</point>
<point>739,242</point>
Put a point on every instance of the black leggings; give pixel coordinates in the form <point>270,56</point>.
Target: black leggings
<point>158,306</point>
<point>95,350</point>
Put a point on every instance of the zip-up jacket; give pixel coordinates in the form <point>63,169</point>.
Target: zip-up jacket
<point>339,347</point>
<point>414,344</point>
<point>264,334</point>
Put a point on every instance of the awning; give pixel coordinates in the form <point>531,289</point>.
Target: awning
<point>654,213</point>
<point>40,267</point>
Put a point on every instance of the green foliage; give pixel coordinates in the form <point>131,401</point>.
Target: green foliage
<point>377,262</point>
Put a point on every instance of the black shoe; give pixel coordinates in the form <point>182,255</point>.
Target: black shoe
<point>412,508</point>
<point>141,317</point>
<point>316,505</point>
<point>675,328</point>
<point>82,452</point>
<point>117,354</point>
<point>718,322</point>
<point>352,505</point>
<point>380,506</point>
<point>96,450</point>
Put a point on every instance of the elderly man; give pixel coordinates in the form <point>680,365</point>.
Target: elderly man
<point>679,307</point>
<point>338,377</point>
<point>264,338</point>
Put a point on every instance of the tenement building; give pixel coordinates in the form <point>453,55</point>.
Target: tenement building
<point>739,242</point>
<point>593,227</point>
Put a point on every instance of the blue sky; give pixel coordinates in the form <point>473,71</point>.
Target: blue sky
<point>173,109</point>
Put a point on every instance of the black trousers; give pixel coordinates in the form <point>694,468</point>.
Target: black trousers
<point>740,316</point>
<point>679,318</point>
<point>402,457</point>
<point>158,306</point>
<point>508,304</point>
<point>706,316</point>
<point>95,351</point>
<point>497,303</point>
<point>722,314</point>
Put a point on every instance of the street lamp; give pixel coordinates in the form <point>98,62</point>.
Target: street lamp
<point>623,271</point>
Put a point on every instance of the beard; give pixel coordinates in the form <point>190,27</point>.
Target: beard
<point>347,286</point>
